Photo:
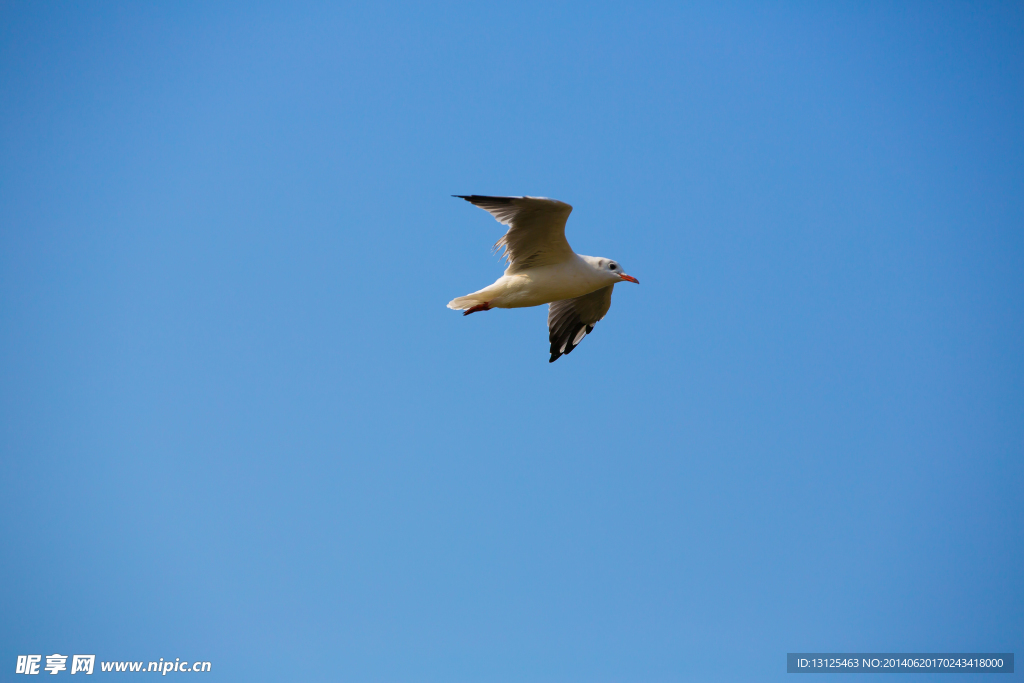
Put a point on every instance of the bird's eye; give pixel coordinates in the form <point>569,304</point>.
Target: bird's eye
<point>612,266</point>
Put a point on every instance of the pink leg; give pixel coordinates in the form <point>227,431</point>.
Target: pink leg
<point>478,307</point>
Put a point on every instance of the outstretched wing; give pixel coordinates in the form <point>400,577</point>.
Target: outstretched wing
<point>536,229</point>
<point>570,320</point>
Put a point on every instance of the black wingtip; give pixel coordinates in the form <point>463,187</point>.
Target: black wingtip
<point>474,198</point>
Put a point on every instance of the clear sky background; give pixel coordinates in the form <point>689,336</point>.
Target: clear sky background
<point>238,423</point>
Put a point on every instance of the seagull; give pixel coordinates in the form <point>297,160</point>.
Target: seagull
<point>543,269</point>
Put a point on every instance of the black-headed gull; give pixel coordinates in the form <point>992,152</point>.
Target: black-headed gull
<point>543,269</point>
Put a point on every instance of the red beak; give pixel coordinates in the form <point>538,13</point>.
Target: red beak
<point>629,278</point>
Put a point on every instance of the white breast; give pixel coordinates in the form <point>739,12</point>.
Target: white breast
<point>542,285</point>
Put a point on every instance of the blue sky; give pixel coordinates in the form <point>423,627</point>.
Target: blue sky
<point>238,424</point>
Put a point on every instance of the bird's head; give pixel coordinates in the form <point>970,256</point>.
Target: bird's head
<point>613,271</point>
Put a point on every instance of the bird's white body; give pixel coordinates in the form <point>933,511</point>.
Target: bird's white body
<point>569,279</point>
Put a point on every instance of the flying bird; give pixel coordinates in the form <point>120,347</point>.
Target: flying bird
<point>543,269</point>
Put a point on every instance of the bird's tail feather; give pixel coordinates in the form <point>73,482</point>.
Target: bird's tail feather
<point>464,302</point>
